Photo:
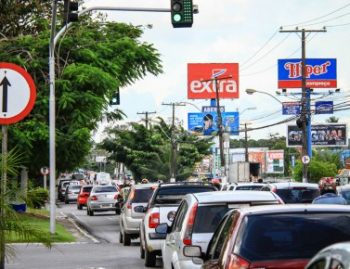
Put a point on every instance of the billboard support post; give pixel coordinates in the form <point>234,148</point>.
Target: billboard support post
<point>305,100</point>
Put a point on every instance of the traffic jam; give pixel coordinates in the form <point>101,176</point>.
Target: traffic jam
<point>211,224</point>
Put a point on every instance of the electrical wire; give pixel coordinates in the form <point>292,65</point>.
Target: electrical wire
<point>337,25</point>
<point>331,19</point>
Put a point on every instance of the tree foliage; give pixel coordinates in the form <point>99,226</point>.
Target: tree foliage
<point>316,170</point>
<point>94,59</point>
<point>146,153</point>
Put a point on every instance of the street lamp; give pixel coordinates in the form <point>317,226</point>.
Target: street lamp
<point>252,91</point>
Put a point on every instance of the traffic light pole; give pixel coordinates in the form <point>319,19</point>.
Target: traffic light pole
<point>52,100</point>
<point>305,101</point>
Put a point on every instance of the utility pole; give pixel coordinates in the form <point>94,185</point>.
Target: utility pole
<point>305,99</point>
<point>173,141</point>
<point>146,113</point>
<point>246,142</point>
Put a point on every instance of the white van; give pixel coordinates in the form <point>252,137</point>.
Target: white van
<point>103,178</point>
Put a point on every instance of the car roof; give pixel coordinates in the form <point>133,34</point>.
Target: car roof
<point>295,208</point>
<point>185,185</point>
<point>286,185</point>
<point>250,184</point>
<point>344,187</point>
<point>145,186</point>
<point>230,196</point>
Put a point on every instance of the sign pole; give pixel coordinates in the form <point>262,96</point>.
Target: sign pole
<point>2,193</point>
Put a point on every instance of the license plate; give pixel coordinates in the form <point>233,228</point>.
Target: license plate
<point>107,205</point>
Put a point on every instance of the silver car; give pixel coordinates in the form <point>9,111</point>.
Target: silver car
<point>133,211</point>
<point>71,194</point>
<point>102,198</point>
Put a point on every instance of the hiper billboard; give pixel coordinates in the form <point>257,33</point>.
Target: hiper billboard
<point>201,86</point>
<point>319,73</point>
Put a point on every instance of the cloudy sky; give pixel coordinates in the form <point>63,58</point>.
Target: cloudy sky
<point>237,31</point>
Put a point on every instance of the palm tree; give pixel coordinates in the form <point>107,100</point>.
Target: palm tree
<point>332,119</point>
<point>10,223</point>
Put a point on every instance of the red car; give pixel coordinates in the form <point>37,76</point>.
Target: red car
<point>274,237</point>
<point>83,196</point>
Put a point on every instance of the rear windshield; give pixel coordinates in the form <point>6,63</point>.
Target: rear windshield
<point>87,189</point>
<point>175,195</point>
<point>142,195</point>
<point>249,188</point>
<point>208,218</point>
<point>297,195</point>
<point>105,189</point>
<point>294,236</point>
<point>74,187</point>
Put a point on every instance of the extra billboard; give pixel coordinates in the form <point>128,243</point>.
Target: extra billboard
<point>201,86</point>
<point>320,73</point>
<point>322,135</point>
<point>206,123</point>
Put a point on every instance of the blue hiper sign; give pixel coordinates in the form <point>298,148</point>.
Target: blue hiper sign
<point>205,123</point>
<point>324,107</point>
<point>291,108</point>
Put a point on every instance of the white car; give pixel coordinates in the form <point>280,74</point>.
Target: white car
<point>102,198</point>
<point>197,218</point>
<point>162,208</point>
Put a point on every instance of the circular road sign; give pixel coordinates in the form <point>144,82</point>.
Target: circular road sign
<point>305,159</point>
<point>17,93</point>
<point>44,171</point>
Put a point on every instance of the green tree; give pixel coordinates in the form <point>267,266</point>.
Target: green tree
<point>146,153</point>
<point>95,58</point>
<point>316,170</point>
<point>332,119</point>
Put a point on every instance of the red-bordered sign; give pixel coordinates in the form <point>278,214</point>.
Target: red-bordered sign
<point>17,93</point>
<point>200,84</point>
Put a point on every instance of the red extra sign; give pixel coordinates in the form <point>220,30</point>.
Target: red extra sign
<point>201,85</point>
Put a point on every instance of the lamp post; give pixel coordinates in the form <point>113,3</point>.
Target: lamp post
<point>252,91</point>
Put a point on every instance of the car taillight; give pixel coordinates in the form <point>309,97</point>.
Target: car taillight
<point>116,197</point>
<point>153,220</point>
<point>189,226</point>
<point>236,262</point>
<point>94,198</point>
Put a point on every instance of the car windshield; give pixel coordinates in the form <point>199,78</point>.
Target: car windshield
<point>87,189</point>
<point>74,187</point>
<point>298,195</point>
<point>175,195</point>
<point>291,236</point>
<point>105,189</point>
<point>142,195</point>
<point>208,218</point>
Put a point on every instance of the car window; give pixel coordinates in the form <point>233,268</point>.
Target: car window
<point>105,189</point>
<point>179,217</point>
<point>87,189</point>
<point>218,239</point>
<point>319,264</point>
<point>249,188</point>
<point>142,195</point>
<point>208,218</point>
<point>265,188</point>
<point>175,195</point>
<point>297,195</point>
<point>74,187</point>
<point>288,236</point>
<point>231,188</point>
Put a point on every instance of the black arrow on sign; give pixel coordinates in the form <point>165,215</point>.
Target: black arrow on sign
<point>5,83</point>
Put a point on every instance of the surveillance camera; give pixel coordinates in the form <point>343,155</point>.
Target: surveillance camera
<point>195,9</point>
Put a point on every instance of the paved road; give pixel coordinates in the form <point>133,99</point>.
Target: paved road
<point>106,254</point>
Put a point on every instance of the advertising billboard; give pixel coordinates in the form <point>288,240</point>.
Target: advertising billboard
<point>206,123</point>
<point>324,107</point>
<point>323,135</point>
<point>200,85</point>
<point>320,73</point>
<point>291,108</point>
<point>275,161</point>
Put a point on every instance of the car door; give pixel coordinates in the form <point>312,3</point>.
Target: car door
<point>171,243</point>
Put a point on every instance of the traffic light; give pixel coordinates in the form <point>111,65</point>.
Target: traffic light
<point>300,121</point>
<point>181,13</point>
<point>70,11</point>
<point>115,99</point>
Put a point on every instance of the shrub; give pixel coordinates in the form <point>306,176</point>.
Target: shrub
<point>36,198</point>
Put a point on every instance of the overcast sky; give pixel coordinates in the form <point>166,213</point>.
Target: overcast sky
<point>237,31</point>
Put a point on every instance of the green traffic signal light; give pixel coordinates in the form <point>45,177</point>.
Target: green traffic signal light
<point>181,13</point>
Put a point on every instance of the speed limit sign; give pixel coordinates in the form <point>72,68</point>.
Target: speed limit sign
<point>44,171</point>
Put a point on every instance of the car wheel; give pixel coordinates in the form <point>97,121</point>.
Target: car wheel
<point>120,237</point>
<point>142,251</point>
<point>66,201</point>
<point>150,259</point>
<point>127,239</point>
<point>91,212</point>
<point>80,207</point>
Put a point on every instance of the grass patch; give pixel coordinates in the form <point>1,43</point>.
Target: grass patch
<point>40,212</point>
<point>42,224</point>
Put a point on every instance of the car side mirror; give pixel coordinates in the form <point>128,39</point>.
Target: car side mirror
<point>162,228</point>
<point>139,209</point>
<point>193,252</point>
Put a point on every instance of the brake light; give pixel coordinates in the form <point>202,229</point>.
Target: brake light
<point>189,226</point>
<point>94,198</point>
<point>236,262</point>
<point>274,189</point>
<point>153,220</point>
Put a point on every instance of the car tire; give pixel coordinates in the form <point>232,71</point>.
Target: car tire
<point>142,251</point>
<point>121,238</point>
<point>126,239</point>
<point>66,201</point>
<point>80,207</point>
<point>91,212</point>
<point>150,259</point>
